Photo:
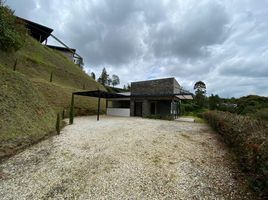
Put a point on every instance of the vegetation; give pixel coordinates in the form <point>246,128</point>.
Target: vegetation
<point>105,79</point>
<point>249,140</point>
<point>12,30</point>
<point>93,76</point>
<point>26,116</point>
<point>115,80</point>
<point>200,93</point>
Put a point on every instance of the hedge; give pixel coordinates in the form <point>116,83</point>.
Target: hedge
<point>249,140</point>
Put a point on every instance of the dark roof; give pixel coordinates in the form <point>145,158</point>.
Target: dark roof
<point>104,94</point>
<point>100,93</point>
<point>61,48</point>
<point>37,31</point>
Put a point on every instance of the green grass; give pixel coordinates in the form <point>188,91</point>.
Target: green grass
<point>25,114</point>
<point>37,62</point>
<point>29,102</point>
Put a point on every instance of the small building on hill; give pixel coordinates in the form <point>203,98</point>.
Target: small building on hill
<point>69,53</point>
<point>160,97</point>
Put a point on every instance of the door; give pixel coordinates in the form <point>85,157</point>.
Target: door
<point>153,108</point>
<point>138,109</point>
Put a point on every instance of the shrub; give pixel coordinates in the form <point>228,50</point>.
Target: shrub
<point>249,140</point>
<point>12,30</point>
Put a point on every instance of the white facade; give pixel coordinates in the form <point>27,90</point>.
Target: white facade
<point>123,112</point>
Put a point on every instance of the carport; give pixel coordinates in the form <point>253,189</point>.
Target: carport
<point>96,93</point>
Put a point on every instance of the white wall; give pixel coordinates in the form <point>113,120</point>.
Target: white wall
<point>123,112</point>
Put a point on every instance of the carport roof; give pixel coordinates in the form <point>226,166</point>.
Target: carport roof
<point>100,93</point>
<point>109,95</point>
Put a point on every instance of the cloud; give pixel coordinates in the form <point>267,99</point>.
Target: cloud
<point>223,43</point>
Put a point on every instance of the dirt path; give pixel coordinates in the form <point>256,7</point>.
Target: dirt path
<point>125,158</point>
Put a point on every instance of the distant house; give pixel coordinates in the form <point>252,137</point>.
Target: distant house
<point>69,53</point>
<point>41,34</point>
<point>154,97</point>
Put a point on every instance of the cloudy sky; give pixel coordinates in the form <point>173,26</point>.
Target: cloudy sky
<point>223,43</point>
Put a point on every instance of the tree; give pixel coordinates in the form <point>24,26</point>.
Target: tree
<point>93,75</point>
<point>115,80</point>
<point>109,81</point>
<point>200,93</point>
<point>103,79</point>
<point>200,85</point>
<point>214,101</point>
<point>12,30</point>
<point>128,87</point>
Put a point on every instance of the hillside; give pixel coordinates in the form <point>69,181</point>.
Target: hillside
<point>29,101</point>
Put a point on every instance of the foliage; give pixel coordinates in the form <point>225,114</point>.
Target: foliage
<point>93,75</point>
<point>200,93</point>
<point>214,102</point>
<point>104,77</point>
<point>115,80</point>
<point>200,85</point>
<point>12,30</point>
<point>249,139</point>
<point>252,105</point>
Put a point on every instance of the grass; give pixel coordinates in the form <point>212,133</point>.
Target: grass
<point>29,102</point>
<point>25,114</point>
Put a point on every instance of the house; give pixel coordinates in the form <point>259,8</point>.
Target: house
<point>69,53</point>
<point>153,97</point>
<point>41,34</point>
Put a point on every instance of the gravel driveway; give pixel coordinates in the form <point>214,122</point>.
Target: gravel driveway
<point>125,158</point>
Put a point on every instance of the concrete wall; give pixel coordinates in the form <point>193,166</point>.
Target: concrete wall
<point>123,112</point>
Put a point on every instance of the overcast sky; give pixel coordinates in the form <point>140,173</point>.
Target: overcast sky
<point>223,43</point>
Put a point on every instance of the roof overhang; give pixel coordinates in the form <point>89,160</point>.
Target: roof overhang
<point>37,31</point>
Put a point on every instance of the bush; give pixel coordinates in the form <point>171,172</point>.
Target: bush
<point>12,30</point>
<point>249,140</point>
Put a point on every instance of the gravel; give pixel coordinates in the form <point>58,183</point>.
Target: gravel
<point>125,158</point>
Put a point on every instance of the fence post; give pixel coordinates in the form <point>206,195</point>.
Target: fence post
<point>15,65</point>
<point>71,120</point>
<point>51,77</point>
<point>58,124</point>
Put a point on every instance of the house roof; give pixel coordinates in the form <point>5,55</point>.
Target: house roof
<point>37,31</point>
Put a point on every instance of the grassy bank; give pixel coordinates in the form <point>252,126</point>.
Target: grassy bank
<point>249,140</point>
<point>25,114</point>
<point>29,101</point>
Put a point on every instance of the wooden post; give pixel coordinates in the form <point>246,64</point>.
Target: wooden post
<point>51,77</point>
<point>98,116</point>
<point>58,124</point>
<point>71,120</point>
<point>15,65</point>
